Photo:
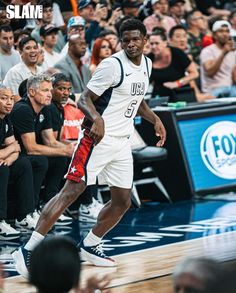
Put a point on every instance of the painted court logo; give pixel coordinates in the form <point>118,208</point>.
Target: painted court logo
<point>24,11</point>
<point>218,149</point>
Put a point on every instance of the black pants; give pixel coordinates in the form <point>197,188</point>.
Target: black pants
<point>57,167</point>
<point>39,167</point>
<point>17,180</point>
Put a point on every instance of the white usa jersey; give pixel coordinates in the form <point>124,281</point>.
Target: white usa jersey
<point>121,86</point>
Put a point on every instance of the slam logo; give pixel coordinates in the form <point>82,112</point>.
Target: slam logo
<point>218,149</point>
<point>24,11</point>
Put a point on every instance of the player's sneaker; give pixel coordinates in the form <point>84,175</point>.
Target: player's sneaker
<point>89,213</point>
<point>64,220</point>
<point>7,232</point>
<point>96,256</point>
<point>28,222</point>
<point>21,258</point>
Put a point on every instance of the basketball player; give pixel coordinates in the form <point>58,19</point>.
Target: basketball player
<point>113,97</point>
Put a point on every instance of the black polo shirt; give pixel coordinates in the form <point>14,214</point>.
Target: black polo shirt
<point>6,130</point>
<point>25,120</point>
<point>57,116</point>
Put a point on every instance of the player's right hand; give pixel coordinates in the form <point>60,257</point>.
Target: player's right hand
<point>97,130</point>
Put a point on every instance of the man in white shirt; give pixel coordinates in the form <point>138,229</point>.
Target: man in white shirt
<point>8,55</point>
<point>218,70</point>
<point>49,38</point>
<point>27,67</point>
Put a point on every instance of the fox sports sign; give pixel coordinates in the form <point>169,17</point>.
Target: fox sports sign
<point>218,149</point>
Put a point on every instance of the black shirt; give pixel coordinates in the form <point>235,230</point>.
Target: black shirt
<point>25,120</point>
<point>6,130</point>
<point>57,116</point>
<point>204,5</point>
<point>176,70</point>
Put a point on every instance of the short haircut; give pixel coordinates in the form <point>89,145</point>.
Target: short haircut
<point>132,24</point>
<point>26,40</point>
<point>19,32</point>
<point>58,77</point>
<point>159,31</point>
<point>45,3</point>
<point>6,28</point>
<point>35,80</point>
<point>190,14</point>
<point>55,265</point>
<point>104,33</point>
<point>175,28</point>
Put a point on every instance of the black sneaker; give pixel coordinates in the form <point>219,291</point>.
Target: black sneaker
<point>96,256</point>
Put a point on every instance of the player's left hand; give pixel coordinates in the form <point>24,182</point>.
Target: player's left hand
<point>160,132</point>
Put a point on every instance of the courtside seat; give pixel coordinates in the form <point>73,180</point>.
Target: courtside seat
<point>144,158</point>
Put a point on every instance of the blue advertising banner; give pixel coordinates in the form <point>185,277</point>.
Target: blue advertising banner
<point>210,148</point>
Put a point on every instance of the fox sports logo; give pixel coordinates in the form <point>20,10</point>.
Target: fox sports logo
<point>218,149</point>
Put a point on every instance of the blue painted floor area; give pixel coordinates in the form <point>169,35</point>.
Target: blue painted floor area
<point>152,225</point>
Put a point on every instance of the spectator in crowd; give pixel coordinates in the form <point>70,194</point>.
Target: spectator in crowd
<point>13,168</point>
<point>101,49</point>
<point>3,16</point>
<point>26,68</point>
<point>93,18</point>
<point>112,37</point>
<point>49,38</point>
<point>48,19</point>
<point>196,27</point>
<point>218,71</point>
<point>18,35</point>
<point>157,18</point>
<point>170,66</point>
<point>8,55</point>
<point>212,7</point>
<point>232,20</point>
<point>33,129</point>
<point>55,268</point>
<point>71,65</point>
<point>76,25</point>
<point>204,275</point>
<point>178,38</point>
<point>131,8</point>
<point>177,11</point>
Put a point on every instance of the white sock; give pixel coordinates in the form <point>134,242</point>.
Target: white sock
<point>91,239</point>
<point>34,240</point>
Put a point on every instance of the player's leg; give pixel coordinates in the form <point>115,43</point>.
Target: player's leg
<point>108,217</point>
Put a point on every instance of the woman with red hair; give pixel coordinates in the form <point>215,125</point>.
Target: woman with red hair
<point>102,49</point>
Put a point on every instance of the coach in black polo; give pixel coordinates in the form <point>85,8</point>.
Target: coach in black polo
<point>33,129</point>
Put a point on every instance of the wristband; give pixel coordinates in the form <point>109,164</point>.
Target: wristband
<point>178,83</point>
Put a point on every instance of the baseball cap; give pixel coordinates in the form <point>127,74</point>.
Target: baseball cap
<point>173,2</point>
<point>130,3</point>
<point>76,21</point>
<point>219,23</point>
<point>47,29</point>
<point>83,3</point>
<point>154,1</point>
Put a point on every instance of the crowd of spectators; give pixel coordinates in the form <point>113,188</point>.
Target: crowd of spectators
<point>191,44</point>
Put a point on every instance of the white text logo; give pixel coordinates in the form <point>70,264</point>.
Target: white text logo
<point>24,11</point>
<point>218,149</point>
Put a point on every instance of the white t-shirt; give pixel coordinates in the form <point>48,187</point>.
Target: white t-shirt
<point>119,105</point>
<point>16,75</point>
<point>223,76</point>
<point>50,59</point>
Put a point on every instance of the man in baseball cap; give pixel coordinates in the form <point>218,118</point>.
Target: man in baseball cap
<point>219,24</point>
<point>177,11</point>
<point>49,37</point>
